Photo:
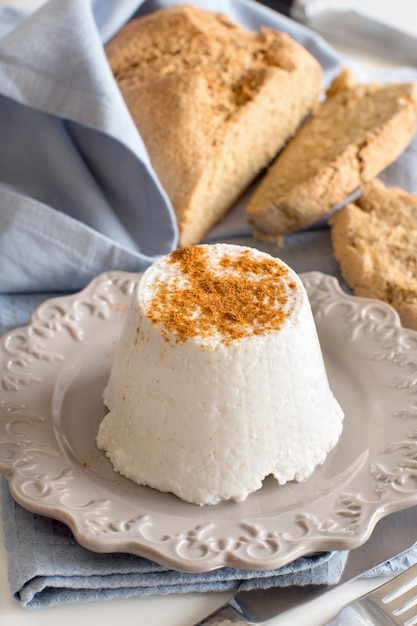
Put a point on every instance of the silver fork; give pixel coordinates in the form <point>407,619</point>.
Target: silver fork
<point>392,604</point>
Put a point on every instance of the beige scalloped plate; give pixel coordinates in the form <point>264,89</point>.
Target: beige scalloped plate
<point>52,373</point>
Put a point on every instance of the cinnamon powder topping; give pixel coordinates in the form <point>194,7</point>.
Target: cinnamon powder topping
<point>235,296</point>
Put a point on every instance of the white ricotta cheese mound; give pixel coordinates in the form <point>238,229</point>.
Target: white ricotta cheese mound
<point>218,380</point>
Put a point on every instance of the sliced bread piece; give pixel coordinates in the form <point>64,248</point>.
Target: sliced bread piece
<point>355,134</point>
<point>214,104</point>
<point>375,242</point>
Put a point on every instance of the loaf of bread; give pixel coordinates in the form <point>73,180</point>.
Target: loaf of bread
<point>214,103</point>
<point>355,134</point>
<point>375,242</point>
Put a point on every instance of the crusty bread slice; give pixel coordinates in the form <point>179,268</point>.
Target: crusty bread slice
<point>214,104</point>
<point>375,242</point>
<point>355,134</point>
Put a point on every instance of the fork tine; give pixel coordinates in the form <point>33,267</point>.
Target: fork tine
<point>408,617</point>
<point>398,597</point>
<point>404,607</point>
<point>397,586</point>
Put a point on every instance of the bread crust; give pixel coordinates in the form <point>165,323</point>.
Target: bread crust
<point>375,241</point>
<point>214,104</point>
<point>354,135</point>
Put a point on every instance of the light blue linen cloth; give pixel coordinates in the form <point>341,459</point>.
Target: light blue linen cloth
<point>78,196</point>
<point>77,191</point>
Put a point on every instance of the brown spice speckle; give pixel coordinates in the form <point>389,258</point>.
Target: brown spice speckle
<point>244,295</point>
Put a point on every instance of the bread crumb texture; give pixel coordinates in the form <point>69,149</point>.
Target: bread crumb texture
<point>355,134</point>
<point>213,101</point>
<point>375,241</point>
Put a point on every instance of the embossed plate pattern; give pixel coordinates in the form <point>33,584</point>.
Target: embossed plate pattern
<point>52,374</point>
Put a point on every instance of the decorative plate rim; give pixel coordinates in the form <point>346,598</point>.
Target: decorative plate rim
<point>46,477</point>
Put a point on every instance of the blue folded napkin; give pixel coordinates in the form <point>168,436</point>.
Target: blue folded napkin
<point>78,196</point>
<point>77,190</point>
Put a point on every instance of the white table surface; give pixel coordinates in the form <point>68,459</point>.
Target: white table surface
<point>186,610</point>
